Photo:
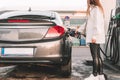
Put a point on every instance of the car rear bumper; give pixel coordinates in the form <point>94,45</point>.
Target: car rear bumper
<point>46,52</point>
<point>41,49</point>
<point>43,60</point>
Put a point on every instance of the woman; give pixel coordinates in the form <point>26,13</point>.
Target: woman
<point>95,35</point>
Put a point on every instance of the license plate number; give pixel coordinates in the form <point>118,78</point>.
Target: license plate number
<point>17,52</point>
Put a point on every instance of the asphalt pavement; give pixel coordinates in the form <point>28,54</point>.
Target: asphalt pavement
<point>81,55</point>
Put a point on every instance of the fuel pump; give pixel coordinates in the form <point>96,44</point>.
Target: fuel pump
<point>112,50</point>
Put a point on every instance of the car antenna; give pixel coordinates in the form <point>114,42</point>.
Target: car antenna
<point>29,9</point>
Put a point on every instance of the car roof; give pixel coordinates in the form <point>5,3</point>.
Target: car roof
<point>54,16</point>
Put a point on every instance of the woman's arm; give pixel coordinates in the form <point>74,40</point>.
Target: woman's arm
<point>82,28</point>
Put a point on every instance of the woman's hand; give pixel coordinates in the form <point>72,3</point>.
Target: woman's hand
<point>77,29</point>
<point>93,40</point>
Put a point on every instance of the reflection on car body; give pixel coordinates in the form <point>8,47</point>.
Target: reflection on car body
<point>34,37</point>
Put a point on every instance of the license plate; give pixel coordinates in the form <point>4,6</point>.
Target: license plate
<point>17,52</point>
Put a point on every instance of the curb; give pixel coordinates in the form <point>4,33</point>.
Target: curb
<point>114,72</point>
<point>80,46</point>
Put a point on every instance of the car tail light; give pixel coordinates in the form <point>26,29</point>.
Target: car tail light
<point>18,21</point>
<point>55,31</point>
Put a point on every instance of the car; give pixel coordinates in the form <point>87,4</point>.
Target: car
<point>35,37</point>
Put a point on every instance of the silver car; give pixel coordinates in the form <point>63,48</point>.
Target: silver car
<point>37,37</point>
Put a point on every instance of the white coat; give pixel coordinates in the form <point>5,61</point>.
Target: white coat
<point>95,26</point>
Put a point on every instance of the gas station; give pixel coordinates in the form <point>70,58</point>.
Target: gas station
<point>111,50</point>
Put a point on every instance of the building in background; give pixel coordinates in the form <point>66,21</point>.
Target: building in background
<point>76,18</point>
<point>117,3</point>
<point>72,8</point>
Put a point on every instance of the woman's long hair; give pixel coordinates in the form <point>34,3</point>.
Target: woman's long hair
<point>96,3</point>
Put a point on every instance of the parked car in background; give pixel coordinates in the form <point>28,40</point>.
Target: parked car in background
<point>37,37</point>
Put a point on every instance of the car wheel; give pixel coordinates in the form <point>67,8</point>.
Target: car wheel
<point>66,69</point>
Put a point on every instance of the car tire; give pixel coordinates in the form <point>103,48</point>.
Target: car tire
<point>66,69</point>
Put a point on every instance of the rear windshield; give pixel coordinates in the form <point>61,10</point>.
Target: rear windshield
<point>28,19</point>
